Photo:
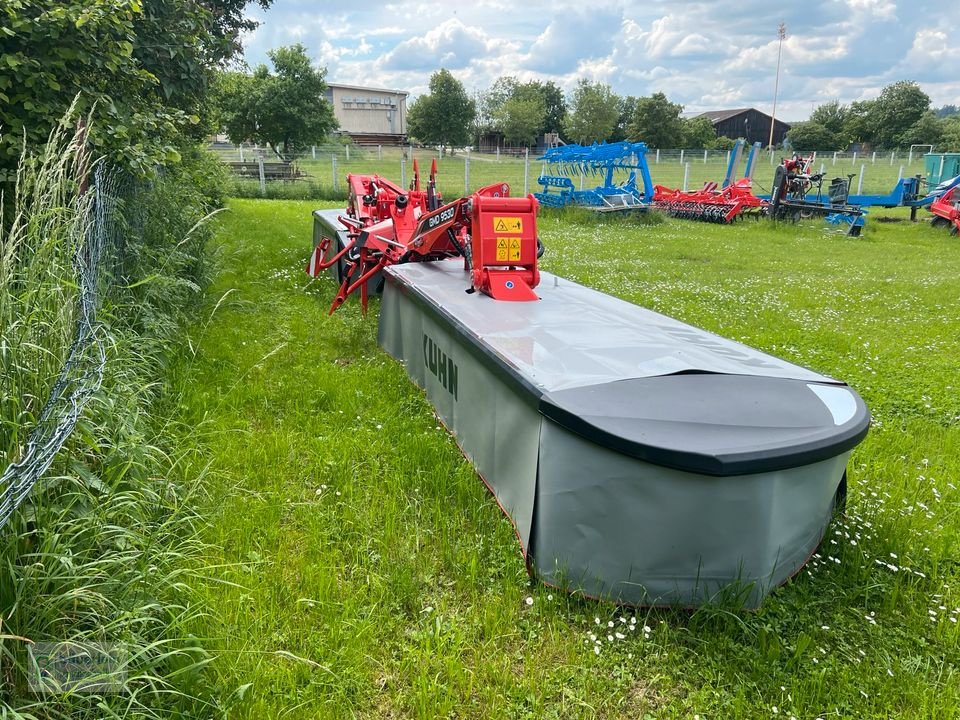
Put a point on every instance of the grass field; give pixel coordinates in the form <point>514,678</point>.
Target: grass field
<point>364,571</point>
<point>879,174</point>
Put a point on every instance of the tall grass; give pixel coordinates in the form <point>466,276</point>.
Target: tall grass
<point>102,553</point>
<point>38,289</point>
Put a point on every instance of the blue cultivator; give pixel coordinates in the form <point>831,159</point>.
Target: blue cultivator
<point>608,161</point>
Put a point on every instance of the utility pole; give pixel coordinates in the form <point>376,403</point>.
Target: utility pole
<point>782,34</point>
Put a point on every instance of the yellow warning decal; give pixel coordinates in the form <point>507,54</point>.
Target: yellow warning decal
<point>502,254</point>
<point>502,243</point>
<point>508,224</point>
<point>514,249</point>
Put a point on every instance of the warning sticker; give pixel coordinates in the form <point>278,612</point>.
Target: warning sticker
<point>508,224</point>
<point>514,249</point>
<point>502,254</point>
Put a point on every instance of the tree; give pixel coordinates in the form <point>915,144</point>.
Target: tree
<point>626,107</point>
<point>521,118</point>
<point>285,109</point>
<point>656,121</point>
<point>898,107</point>
<point>831,115</point>
<point>810,135</point>
<point>928,130</point>
<point>856,125</point>
<point>510,107</point>
<point>947,111</point>
<point>556,106</point>
<point>593,113</point>
<point>697,132</point>
<point>141,68</point>
<point>443,116</point>
<point>950,138</point>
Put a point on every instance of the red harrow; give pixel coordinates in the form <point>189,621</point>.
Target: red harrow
<point>709,204</point>
<point>495,234</point>
<point>946,210</point>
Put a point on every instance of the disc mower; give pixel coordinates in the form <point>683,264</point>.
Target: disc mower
<point>495,234</point>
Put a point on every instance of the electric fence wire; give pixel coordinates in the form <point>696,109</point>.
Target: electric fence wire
<point>83,370</point>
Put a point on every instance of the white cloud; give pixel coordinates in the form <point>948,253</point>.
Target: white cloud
<point>704,55</point>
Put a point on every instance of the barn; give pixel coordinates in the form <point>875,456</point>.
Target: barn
<point>747,123</point>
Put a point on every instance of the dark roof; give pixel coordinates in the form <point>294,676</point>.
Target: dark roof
<point>717,116</point>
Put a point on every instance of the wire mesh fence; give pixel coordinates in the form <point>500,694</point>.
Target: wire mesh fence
<point>82,372</point>
<point>323,169</point>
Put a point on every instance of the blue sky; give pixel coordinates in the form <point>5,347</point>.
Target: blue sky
<point>704,55</point>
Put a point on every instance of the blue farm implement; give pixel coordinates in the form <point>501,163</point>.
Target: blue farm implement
<point>614,161</point>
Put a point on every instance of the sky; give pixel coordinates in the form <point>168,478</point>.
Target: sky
<point>703,55</point>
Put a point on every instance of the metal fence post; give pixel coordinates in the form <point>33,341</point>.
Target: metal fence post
<point>728,158</point>
<point>874,161</point>
<point>347,148</point>
<point>526,171</point>
<point>686,175</point>
<point>466,174</point>
<point>854,159</point>
<point>834,158</point>
<point>313,151</point>
<point>823,168</point>
<point>863,170</point>
<point>892,156</point>
<point>240,148</point>
<point>705,156</point>
<point>658,156</point>
<point>336,184</point>
<point>681,157</point>
<point>403,172</point>
<point>263,179</point>
<point>379,152</point>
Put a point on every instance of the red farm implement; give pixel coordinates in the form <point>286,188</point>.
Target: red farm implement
<point>946,210</point>
<point>709,204</point>
<point>720,203</point>
<point>494,233</point>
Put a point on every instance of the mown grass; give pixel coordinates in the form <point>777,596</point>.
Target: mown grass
<point>364,571</point>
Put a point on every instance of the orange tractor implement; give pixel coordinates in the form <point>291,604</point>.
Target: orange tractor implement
<point>495,234</point>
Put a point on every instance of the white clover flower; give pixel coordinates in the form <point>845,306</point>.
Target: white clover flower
<point>596,649</point>
<point>620,636</point>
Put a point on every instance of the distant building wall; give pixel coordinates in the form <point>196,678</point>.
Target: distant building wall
<point>747,123</point>
<point>372,114</point>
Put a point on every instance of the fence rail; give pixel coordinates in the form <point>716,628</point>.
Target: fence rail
<point>463,171</point>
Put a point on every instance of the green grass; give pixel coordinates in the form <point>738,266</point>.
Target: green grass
<point>363,570</point>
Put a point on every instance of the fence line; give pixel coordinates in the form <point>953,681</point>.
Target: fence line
<point>82,373</point>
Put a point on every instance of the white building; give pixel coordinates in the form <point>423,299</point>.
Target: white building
<point>371,116</point>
